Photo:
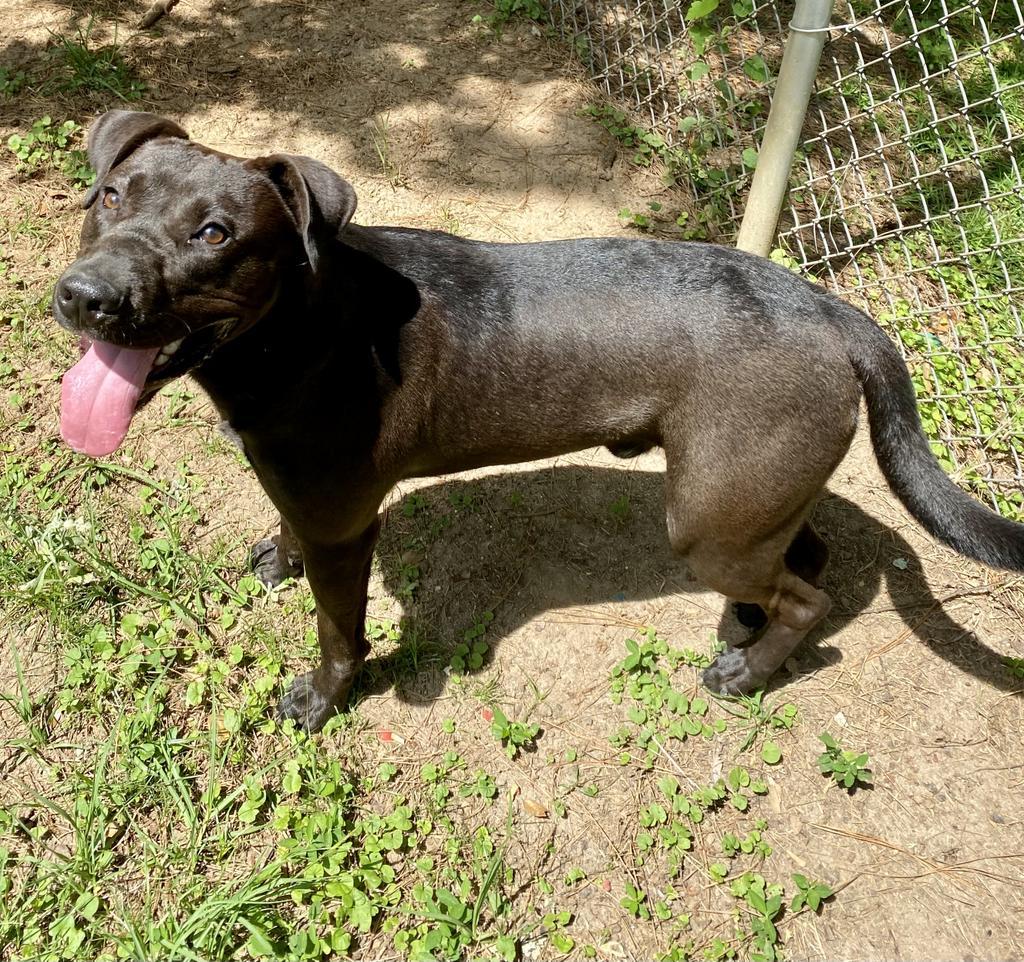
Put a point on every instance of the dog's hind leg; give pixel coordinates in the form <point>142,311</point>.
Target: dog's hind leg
<point>806,558</point>
<point>793,607</point>
<point>277,558</point>
<point>339,575</point>
<point>755,571</point>
<point>744,540</point>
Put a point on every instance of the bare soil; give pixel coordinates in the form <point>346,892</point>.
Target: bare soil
<point>439,124</point>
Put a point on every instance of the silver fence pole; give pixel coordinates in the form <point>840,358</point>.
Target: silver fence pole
<point>807,32</point>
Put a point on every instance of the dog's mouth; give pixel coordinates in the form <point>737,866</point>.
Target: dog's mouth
<point>102,392</point>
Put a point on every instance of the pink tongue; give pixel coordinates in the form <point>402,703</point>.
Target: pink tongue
<point>99,394</point>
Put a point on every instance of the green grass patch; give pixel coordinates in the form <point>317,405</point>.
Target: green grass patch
<point>87,66</point>
<point>48,146</point>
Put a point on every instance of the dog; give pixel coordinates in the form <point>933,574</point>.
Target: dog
<point>346,358</point>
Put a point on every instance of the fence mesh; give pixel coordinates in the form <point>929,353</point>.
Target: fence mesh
<point>906,195</point>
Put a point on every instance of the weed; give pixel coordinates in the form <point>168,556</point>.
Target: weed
<point>409,575</point>
<point>620,509</point>
<point>954,372</point>
<point>100,69</point>
<point>764,900</point>
<point>413,504</point>
<point>811,894</point>
<point>659,710</point>
<point>462,501</point>
<point>508,10</point>
<point>758,718</point>
<point>49,145</point>
<point>646,146</point>
<point>685,160</point>
<point>846,768</point>
<point>751,844</point>
<point>514,735</point>
<point>686,224</point>
<point>469,654</point>
<point>12,82</point>
<point>1015,667</point>
<point>634,902</point>
<point>388,165</point>
<point>636,219</point>
<point>481,785</point>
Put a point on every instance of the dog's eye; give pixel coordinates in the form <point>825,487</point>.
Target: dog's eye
<point>111,199</point>
<point>213,234</point>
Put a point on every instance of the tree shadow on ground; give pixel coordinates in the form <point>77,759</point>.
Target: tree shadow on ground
<point>340,70</point>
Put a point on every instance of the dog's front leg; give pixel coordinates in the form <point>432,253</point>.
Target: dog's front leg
<point>275,559</point>
<point>338,575</point>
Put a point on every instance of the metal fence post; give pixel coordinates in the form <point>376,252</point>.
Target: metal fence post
<point>807,32</point>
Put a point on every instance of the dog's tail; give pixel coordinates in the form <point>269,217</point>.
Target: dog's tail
<point>906,460</point>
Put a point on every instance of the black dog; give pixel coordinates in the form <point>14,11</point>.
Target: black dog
<point>347,358</point>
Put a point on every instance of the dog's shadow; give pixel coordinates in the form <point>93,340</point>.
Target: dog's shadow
<point>518,544</point>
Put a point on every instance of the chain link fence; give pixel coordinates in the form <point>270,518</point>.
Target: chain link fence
<point>906,194</point>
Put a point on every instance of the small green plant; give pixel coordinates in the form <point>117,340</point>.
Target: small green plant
<point>635,219</point>
<point>469,654</point>
<point>1015,666</point>
<point>50,145</point>
<point>12,82</point>
<point>481,785</point>
<point>751,844</point>
<point>101,69</point>
<point>847,769</point>
<point>635,902</point>
<point>762,719</point>
<point>506,10</point>
<point>390,168</point>
<point>413,504</point>
<point>620,509</point>
<point>811,894</point>
<point>660,711</point>
<point>646,145</point>
<point>515,736</point>
<point>765,901</point>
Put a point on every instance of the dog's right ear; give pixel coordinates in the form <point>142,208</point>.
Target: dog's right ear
<point>117,134</point>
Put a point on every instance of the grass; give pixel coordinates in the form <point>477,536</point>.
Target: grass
<point>380,133</point>
<point>97,68</point>
<point>153,807</point>
<point>200,828</point>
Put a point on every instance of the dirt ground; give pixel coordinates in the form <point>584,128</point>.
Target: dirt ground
<point>437,124</point>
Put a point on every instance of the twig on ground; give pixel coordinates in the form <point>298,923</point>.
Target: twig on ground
<point>158,10</point>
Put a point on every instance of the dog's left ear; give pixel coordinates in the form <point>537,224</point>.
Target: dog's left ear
<point>321,202</point>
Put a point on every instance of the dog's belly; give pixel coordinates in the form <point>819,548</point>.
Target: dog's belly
<point>510,420</point>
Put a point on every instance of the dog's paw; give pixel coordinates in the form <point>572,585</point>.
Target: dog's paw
<point>270,565</point>
<point>730,674</point>
<point>750,616</point>
<point>307,706</point>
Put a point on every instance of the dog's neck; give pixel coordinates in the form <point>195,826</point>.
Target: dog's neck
<point>300,356</point>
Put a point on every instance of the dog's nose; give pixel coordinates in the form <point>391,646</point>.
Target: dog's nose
<point>85,300</point>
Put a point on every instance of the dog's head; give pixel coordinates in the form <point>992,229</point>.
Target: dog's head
<point>183,248</point>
